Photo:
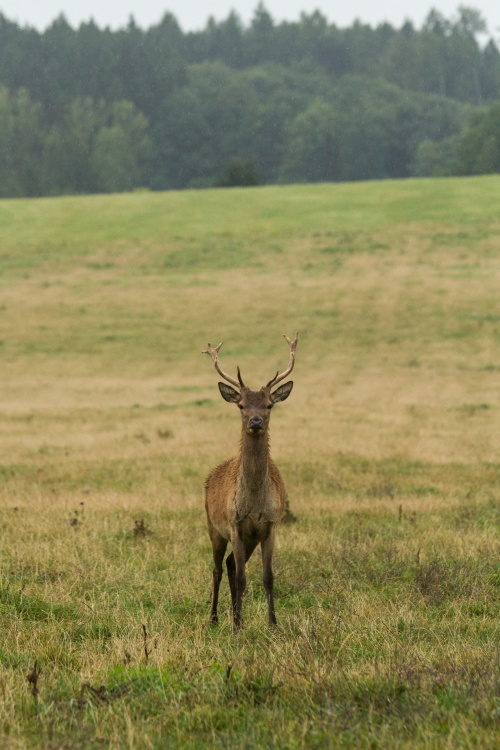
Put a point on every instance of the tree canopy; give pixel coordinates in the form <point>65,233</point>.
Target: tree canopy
<point>94,110</point>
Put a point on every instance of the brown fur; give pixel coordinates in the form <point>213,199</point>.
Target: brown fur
<point>245,496</point>
<point>245,500</point>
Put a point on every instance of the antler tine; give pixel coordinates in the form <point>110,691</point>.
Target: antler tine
<point>240,378</point>
<point>293,346</point>
<point>214,353</point>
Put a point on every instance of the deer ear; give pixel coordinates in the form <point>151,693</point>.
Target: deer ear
<point>228,393</point>
<point>282,393</point>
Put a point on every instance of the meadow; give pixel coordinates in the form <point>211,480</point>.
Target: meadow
<point>387,577</point>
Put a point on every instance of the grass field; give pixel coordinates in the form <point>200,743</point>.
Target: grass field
<point>387,585</point>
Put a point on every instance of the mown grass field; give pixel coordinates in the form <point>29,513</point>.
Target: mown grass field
<point>387,585</point>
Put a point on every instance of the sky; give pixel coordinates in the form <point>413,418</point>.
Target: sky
<point>193,14</point>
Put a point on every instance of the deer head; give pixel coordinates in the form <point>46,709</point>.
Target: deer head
<point>255,406</point>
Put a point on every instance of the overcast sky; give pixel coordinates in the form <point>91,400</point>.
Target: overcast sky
<point>193,14</point>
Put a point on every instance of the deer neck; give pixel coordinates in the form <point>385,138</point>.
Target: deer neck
<point>254,467</point>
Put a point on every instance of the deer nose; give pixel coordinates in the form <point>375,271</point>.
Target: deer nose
<point>255,423</point>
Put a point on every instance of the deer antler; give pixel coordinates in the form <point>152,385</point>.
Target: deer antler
<point>293,346</point>
<point>214,353</point>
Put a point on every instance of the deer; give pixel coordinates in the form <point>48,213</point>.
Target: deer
<point>245,496</point>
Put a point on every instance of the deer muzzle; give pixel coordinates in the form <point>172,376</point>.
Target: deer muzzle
<point>255,426</point>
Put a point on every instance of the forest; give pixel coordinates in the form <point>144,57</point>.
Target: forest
<point>92,110</point>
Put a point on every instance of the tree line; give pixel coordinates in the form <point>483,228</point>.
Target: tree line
<point>94,110</point>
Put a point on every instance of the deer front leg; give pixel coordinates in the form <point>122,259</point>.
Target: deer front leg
<point>239,579</point>
<point>237,576</point>
<point>231,574</point>
<point>219,545</point>
<point>267,547</point>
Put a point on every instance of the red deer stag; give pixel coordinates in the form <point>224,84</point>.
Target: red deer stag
<point>245,496</point>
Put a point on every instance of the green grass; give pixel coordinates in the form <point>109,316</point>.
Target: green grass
<point>387,584</point>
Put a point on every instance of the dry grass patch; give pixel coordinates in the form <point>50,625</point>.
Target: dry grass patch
<point>386,585</point>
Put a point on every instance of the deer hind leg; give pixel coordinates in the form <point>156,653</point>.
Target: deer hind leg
<point>267,547</point>
<point>219,545</point>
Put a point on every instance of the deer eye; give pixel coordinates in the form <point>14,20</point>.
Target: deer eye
<point>240,407</point>
<point>270,406</point>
